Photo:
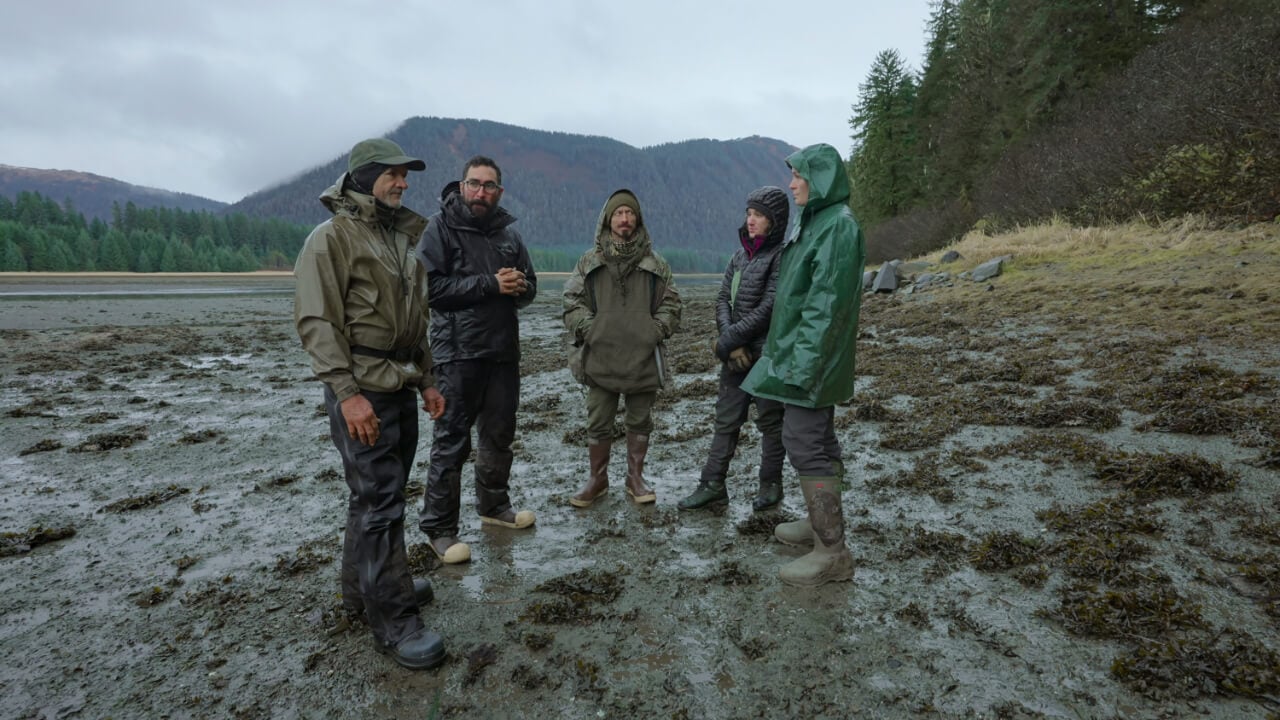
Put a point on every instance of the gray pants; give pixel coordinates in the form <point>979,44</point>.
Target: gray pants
<point>809,435</point>
<point>602,408</point>
<point>375,567</point>
<point>732,408</point>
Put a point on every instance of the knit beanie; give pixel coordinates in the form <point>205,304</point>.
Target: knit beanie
<point>617,200</point>
<point>771,202</point>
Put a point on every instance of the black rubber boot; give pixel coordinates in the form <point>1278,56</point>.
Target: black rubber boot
<point>712,496</point>
<point>422,650</point>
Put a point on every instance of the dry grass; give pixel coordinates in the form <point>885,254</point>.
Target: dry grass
<point>1181,276</point>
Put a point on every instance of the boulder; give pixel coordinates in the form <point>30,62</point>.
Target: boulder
<point>989,269</point>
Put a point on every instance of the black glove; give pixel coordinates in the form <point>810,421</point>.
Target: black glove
<point>740,360</point>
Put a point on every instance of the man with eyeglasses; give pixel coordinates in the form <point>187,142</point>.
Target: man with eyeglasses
<point>478,275</point>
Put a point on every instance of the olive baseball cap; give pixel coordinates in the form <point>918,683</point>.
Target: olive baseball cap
<point>381,150</point>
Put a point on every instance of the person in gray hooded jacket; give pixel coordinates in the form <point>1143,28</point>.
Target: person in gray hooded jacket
<point>620,305</point>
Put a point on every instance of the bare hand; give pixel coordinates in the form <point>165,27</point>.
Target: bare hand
<point>433,402</point>
<point>511,282</point>
<point>362,422</point>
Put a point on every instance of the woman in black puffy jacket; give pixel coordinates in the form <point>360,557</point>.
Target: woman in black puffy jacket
<point>743,308</point>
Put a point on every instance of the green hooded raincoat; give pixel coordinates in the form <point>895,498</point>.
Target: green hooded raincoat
<point>808,356</point>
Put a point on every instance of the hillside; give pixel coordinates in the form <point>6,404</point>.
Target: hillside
<point>93,195</point>
<point>692,191</point>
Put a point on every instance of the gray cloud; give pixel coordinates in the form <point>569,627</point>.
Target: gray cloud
<point>222,99</point>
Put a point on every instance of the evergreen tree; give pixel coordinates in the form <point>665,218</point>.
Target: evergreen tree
<point>11,259</point>
<point>883,172</point>
<point>84,252</point>
<point>113,252</point>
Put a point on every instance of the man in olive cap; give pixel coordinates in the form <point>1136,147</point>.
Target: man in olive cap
<point>361,311</point>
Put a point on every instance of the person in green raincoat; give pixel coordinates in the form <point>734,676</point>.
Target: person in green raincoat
<point>808,358</point>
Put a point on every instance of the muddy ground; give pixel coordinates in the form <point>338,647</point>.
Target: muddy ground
<point>1054,515</point>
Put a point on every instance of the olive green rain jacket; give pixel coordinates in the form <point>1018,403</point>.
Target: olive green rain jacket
<point>808,356</point>
<point>359,283</point>
<point>618,327</point>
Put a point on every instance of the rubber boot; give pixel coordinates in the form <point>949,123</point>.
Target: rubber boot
<point>711,489</point>
<point>637,488</point>
<point>799,533</point>
<point>421,650</point>
<point>771,457</point>
<point>598,480</point>
<point>830,560</point>
<point>711,495</point>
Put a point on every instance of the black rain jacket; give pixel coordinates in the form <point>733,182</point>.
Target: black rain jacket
<point>470,318</point>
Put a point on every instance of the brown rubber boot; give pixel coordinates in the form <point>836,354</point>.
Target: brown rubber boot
<point>598,481</point>
<point>830,560</point>
<point>637,448</point>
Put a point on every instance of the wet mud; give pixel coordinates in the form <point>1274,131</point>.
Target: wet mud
<point>1051,518</point>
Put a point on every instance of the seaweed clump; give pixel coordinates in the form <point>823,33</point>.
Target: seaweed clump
<point>307,558</point>
<point>925,478</point>
<point>1004,550</point>
<point>1052,449</point>
<point>139,502</point>
<point>731,573</point>
<point>112,441</point>
<point>1229,663</point>
<point>1153,476</point>
<point>579,593</point>
<point>1134,613</point>
<point>762,524</point>
<point>17,543</point>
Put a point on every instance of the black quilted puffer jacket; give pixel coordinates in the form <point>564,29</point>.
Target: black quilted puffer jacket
<point>745,301</point>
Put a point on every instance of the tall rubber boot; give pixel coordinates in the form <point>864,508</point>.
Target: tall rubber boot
<point>799,533</point>
<point>711,492</point>
<point>771,457</point>
<point>830,560</point>
<point>637,488</point>
<point>598,480</point>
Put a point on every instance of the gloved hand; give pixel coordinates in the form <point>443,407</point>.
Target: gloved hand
<point>740,360</point>
<point>581,329</point>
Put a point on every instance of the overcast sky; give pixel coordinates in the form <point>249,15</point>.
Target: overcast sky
<point>221,98</point>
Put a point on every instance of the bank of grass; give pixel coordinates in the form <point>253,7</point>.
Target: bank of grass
<point>1181,276</point>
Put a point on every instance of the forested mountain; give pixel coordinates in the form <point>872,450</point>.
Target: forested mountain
<point>40,235</point>
<point>692,192</point>
<point>1092,111</point>
<point>95,195</point>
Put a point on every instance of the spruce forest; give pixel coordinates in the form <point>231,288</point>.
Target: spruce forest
<point>1091,112</point>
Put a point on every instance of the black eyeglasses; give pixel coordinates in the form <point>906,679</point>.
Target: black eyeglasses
<point>489,186</point>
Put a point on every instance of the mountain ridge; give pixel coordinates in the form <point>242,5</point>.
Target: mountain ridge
<point>692,192</point>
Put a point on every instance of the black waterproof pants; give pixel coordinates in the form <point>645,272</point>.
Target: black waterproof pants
<point>809,435</point>
<point>375,568</point>
<point>483,393</point>
<point>732,408</point>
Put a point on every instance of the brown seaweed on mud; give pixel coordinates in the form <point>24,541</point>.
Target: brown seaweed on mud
<point>579,594</point>
<point>139,502</point>
<point>17,543</point>
<point>102,442</point>
<point>45,445</point>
